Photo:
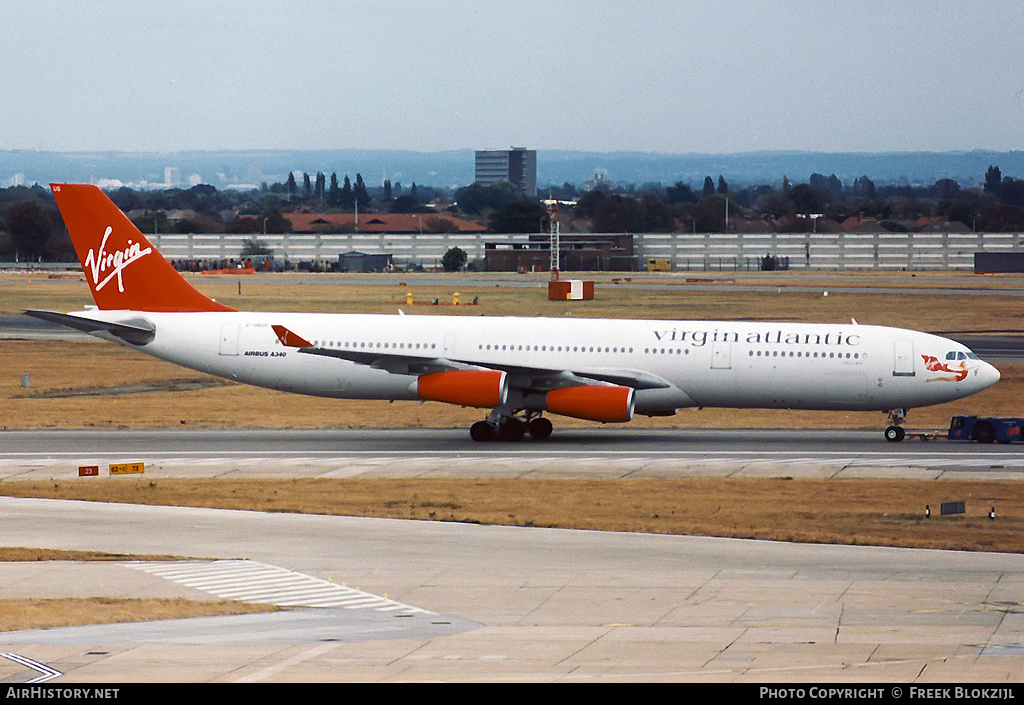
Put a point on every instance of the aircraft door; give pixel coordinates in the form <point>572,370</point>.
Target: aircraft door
<point>721,355</point>
<point>903,362</point>
<point>229,339</point>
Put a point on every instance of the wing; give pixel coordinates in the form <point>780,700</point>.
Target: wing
<point>401,364</point>
<point>526,378</point>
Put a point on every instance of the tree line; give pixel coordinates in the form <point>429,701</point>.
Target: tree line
<point>31,228</point>
<point>998,207</point>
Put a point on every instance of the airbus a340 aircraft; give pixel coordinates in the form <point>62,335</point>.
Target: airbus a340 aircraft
<point>519,368</point>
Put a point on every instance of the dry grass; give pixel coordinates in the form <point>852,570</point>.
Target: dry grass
<point>72,611</point>
<point>875,512</point>
<point>678,296</point>
<point>18,554</point>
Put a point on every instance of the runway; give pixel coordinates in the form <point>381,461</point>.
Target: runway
<point>603,452</point>
<point>456,602</point>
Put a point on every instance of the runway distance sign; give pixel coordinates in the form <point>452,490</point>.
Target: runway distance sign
<point>127,468</point>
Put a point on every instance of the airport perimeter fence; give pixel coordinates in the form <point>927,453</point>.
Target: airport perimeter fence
<point>867,251</point>
<point>683,251</point>
<point>424,250</point>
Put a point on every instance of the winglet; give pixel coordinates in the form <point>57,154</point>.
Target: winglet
<point>124,270</point>
<point>289,339</point>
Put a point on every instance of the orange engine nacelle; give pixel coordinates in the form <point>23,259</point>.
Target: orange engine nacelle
<point>483,388</point>
<point>595,403</point>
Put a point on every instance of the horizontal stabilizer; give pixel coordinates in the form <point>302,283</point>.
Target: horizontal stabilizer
<point>137,331</point>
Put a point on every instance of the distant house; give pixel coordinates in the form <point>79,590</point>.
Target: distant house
<point>861,224</point>
<point>750,225</point>
<point>939,224</point>
<point>392,223</point>
<point>176,216</point>
<point>800,223</point>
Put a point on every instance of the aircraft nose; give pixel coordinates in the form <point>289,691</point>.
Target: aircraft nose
<point>987,375</point>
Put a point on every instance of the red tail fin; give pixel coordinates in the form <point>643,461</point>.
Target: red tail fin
<point>124,271</point>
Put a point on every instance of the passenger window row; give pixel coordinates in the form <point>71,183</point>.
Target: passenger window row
<point>802,354</point>
<point>363,345</point>
<point>555,348</point>
<point>351,345</point>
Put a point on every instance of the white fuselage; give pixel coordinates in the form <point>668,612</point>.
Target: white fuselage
<point>701,363</point>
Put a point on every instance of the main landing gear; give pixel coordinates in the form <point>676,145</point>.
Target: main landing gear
<point>895,433</point>
<point>511,428</point>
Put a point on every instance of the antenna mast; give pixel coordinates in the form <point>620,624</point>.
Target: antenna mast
<point>555,238</point>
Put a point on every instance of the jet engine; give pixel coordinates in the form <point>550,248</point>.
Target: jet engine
<point>592,402</point>
<point>481,388</point>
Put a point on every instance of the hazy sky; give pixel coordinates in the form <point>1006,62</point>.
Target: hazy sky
<point>431,75</point>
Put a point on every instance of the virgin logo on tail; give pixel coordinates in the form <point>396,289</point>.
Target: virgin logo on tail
<point>112,262</point>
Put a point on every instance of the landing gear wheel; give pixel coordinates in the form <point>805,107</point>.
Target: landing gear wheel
<point>481,431</point>
<point>539,428</point>
<point>511,430</point>
<point>895,434</point>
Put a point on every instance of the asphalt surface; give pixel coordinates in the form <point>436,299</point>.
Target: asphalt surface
<point>600,452</point>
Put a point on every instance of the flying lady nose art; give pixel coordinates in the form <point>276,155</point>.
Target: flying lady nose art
<point>947,372</point>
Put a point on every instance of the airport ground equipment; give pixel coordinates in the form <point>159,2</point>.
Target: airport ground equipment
<point>985,429</point>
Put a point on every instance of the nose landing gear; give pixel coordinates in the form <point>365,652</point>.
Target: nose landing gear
<point>895,433</point>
